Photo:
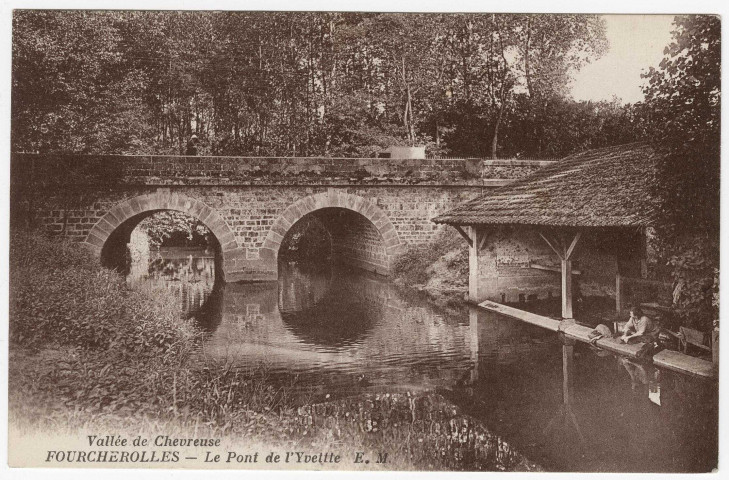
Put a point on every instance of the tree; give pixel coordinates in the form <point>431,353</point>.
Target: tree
<point>71,91</point>
<point>294,83</point>
<point>683,105</point>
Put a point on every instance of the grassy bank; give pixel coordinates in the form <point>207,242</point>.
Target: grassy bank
<point>438,268</point>
<point>89,355</point>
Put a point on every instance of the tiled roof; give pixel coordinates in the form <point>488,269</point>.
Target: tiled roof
<point>606,187</point>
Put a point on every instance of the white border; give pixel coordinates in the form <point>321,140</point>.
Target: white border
<point>536,6</point>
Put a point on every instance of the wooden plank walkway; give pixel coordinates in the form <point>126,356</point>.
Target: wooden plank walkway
<point>533,318</point>
<point>682,363</point>
<point>668,359</point>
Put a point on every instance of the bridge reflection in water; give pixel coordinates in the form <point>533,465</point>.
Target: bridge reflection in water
<point>341,332</point>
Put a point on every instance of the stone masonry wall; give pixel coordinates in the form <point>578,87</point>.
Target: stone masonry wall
<point>193,170</point>
<point>507,273</point>
<point>250,212</point>
<point>252,201</point>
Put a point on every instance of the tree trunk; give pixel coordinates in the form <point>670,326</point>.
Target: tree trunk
<point>495,138</point>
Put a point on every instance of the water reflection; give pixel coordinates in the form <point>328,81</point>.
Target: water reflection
<point>340,332</point>
<point>340,328</point>
<point>189,272</point>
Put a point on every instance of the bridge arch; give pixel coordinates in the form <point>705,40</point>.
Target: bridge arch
<point>158,201</point>
<point>334,199</point>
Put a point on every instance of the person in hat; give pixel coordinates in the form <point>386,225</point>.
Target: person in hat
<point>192,145</point>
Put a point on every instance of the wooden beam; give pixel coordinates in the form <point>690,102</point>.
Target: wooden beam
<point>464,235</point>
<point>536,266</point>
<point>567,372</point>
<point>571,249</point>
<point>618,293</point>
<point>556,250</point>
<point>643,253</point>
<point>528,317</point>
<point>567,289</point>
<point>482,240</point>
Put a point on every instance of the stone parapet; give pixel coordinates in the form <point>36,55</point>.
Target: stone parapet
<point>53,170</point>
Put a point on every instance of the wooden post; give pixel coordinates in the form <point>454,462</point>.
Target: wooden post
<point>473,333</point>
<point>643,254</point>
<point>564,253</point>
<point>473,274</point>
<point>618,293</point>
<point>567,289</point>
<point>567,372</point>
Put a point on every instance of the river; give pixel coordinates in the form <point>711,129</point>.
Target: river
<point>334,332</point>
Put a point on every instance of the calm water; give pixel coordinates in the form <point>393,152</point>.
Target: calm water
<point>338,333</point>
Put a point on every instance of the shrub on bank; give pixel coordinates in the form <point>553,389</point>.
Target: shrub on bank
<point>60,295</point>
<point>443,261</point>
<point>83,341</point>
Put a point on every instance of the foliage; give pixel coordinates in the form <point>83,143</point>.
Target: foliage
<point>171,224</point>
<point>123,350</point>
<point>60,295</point>
<point>683,108</point>
<point>91,379</point>
<point>692,259</point>
<point>301,83</point>
<point>683,105</point>
<point>307,240</point>
<point>416,265</point>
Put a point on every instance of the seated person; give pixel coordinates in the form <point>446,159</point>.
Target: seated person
<point>640,328</point>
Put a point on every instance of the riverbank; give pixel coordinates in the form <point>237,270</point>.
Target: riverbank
<point>439,269</point>
<point>88,355</point>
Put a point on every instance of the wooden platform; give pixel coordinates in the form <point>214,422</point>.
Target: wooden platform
<point>533,318</point>
<point>682,363</point>
<point>668,359</point>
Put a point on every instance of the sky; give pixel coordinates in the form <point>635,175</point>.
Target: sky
<point>636,43</point>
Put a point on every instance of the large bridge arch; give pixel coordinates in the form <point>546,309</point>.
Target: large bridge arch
<point>334,199</point>
<point>158,201</point>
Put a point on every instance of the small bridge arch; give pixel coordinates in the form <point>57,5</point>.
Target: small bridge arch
<point>335,199</point>
<point>158,201</point>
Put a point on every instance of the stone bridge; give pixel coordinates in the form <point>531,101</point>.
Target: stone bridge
<point>372,207</point>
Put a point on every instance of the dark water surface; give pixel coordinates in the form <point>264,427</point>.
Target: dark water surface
<point>337,332</point>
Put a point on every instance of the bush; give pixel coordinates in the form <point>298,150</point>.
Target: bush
<point>83,341</point>
<point>695,278</point>
<point>60,294</point>
<point>416,265</point>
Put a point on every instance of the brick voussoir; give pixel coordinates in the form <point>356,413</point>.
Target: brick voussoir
<point>279,229</point>
<point>230,246</point>
<point>205,214</point>
<point>94,240</point>
<point>310,204</point>
<point>381,223</point>
<point>226,237</point>
<point>136,207</point>
<point>127,209</point>
<point>111,220</point>
<point>118,214</point>
<point>196,208</point>
<point>358,204</point>
<point>367,209</point>
<point>271,244</point>
<point>102,226</point>
<point>290,216</point>
<point>275,237</point>
<point>144,203</point>
<point>390,236</point>
<point>296,208</point>
<point>323,200</point>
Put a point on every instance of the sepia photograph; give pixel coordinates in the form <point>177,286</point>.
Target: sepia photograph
<point>363,240</point>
